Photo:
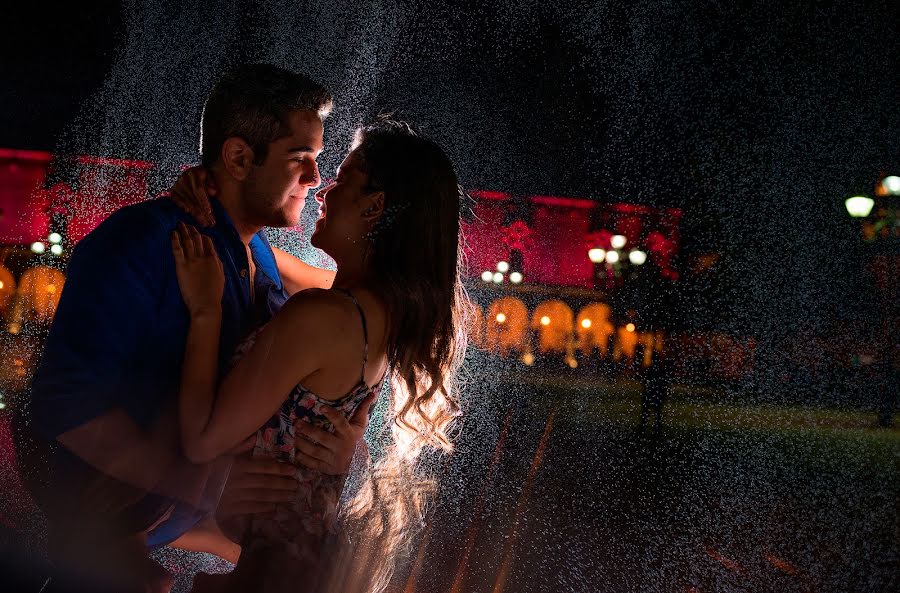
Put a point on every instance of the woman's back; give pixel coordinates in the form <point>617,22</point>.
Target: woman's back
<point>357,324</point>
<point>295,534</point>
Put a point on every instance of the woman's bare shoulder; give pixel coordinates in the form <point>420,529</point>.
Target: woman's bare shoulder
<point>317,310</point>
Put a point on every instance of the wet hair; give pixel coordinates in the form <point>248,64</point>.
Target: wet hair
<point>253,102</point>
<point>413,262</point>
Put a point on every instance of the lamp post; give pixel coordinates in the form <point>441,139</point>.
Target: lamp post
<point>880,226</point>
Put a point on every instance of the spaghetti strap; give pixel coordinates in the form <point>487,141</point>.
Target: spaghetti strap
<point>365,329</point>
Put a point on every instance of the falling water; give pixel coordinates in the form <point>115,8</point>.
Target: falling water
<point>755,121</point>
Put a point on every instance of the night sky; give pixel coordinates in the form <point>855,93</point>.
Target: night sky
<point>757,119</point>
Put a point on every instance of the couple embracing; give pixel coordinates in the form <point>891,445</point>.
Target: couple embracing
<point>203,390</point>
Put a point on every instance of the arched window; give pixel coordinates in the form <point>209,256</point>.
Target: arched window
<point>506,325</point>
<point>594,328</point>
<point>554,323</point>
<point>36,298</point>
<point>7,289</point>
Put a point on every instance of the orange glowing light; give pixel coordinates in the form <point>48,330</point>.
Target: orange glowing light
<point>545,320</point>
<point>586,323</point>
<point>501,318</point>
<point>630,327</point>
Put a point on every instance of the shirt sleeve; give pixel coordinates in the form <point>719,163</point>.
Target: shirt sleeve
<point>108,305</point>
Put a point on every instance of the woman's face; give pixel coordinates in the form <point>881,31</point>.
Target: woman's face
<point>342,224</point>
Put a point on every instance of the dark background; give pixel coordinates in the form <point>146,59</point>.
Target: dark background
<point>757,119</point>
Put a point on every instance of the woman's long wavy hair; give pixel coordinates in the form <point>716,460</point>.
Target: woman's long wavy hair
<point>414,264</point>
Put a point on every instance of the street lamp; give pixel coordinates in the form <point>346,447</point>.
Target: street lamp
<point>890,185</point>
<point>859,206</point>
<point>881,233</point>
<point>637,257</point>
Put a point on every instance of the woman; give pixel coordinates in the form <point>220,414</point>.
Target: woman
<point>390,220</point>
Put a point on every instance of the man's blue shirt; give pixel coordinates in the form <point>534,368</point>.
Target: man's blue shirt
<point>118,337</point>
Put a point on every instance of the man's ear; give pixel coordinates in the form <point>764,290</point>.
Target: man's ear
<point>374,206</point>
<point>237,158</point>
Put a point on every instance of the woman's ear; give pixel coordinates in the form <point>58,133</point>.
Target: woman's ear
<point>374,206</point>
<point>237,158</point>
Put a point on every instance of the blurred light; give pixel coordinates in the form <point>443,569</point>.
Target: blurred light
<point>2,405</point>
<point>515,277</point>
<point>1,285</point>
<point>528,359</point>
<point>56,249</point>
<point>501,318</point>
<point>612,257</point>
<point>618,241</point>
<point>51,288</point>
<point>498,278</point>
<point>15,328</point>
<point>573,363</point>
<point>502,267</point>
<point>38,247</point>
<point>55,238</point>
<point>637,257</point>
<point>629,327</point>
<point>597,255</point>
<point>586,323</point>
<point>859,206</point>
<point>487,276</point>
<point>545,320</point>
<point>891,185</point>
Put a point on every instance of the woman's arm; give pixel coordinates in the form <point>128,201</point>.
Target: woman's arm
<point>206,536</point>
<point>191,193</point>
<point>211,423</point>
<point>261,381</point>
<point>298,275</point>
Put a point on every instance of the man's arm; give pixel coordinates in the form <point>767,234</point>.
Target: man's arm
<point>297,275</point>
<point>256,485</point>
<point>80,392</point>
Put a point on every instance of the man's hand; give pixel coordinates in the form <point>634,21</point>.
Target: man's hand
<point>331,453</point>
<point>254,487</point>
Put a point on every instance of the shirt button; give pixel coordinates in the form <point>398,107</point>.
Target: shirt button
<point>243,273</point>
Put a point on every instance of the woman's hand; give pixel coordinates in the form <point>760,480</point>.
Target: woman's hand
<point>199,271</point>
<point>191,193</point>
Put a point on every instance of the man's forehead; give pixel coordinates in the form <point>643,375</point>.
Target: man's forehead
<point>305,130</point>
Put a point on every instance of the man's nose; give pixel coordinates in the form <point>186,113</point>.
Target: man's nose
<point>312,177</point>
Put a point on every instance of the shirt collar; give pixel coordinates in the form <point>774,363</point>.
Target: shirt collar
<point>259,244</point>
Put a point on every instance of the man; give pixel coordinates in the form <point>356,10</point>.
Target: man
<point>103,398</point>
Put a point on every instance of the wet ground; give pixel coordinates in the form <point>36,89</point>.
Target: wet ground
<point>556,491</point>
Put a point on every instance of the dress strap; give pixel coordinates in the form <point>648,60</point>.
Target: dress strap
<point>365,329</point>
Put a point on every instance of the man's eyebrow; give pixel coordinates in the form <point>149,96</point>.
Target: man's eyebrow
<point>302,149</point>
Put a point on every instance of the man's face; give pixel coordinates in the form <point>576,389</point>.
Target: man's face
<point>275,191</point>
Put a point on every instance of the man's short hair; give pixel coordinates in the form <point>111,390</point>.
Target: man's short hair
<point>253,102</point>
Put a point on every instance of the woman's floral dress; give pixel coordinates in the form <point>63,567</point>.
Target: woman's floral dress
<point>299,529</point>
